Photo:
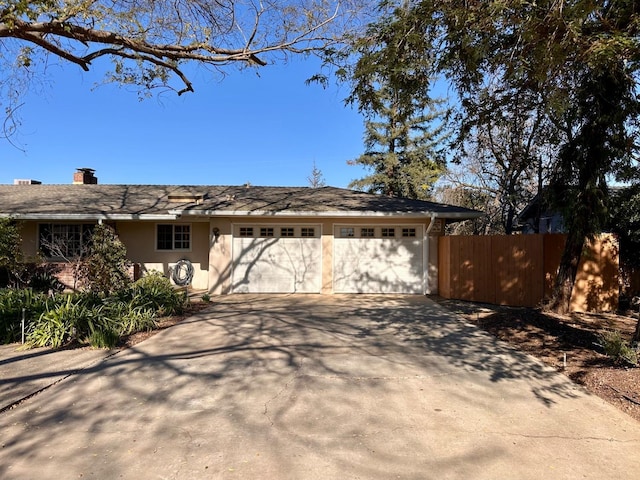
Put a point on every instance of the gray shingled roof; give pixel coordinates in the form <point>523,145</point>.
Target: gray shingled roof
<point>147,201</point>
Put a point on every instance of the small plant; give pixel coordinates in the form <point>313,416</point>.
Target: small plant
<point>617,348</point>
<point>104,338</point>
<point>206,297</point>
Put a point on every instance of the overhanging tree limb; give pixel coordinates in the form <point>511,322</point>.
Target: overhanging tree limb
<point>151,41</point>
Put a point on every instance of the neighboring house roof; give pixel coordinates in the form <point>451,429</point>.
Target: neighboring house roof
<point>121,202</point>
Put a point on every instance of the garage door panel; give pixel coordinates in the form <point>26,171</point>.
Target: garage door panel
<point>378,265</point>
<point>276,265</point>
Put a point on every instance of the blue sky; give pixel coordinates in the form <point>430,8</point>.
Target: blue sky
<point>265,127</point>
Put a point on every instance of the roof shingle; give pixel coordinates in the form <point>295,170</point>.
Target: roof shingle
<point>104,201</point>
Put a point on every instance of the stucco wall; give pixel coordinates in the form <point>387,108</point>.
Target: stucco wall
<point>211,256</point>
<point>140,240</point>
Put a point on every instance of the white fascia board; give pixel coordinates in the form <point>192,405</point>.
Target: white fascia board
<point>78,217</point>
<point>332,214</point>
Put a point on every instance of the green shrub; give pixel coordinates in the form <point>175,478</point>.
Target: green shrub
<point>155,291</point>
<point>88,316</point>
<point>129,317</point>
<point>106,268</point>
<point>618,348</point>
<point>12,266</point>
<point>12,301</point>
<point>59,324</point>
<point>206,297</point>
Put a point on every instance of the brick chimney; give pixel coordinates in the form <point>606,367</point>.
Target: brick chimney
<point>85,176</point>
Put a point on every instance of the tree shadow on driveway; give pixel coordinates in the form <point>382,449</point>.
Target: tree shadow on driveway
<point>305,386</point>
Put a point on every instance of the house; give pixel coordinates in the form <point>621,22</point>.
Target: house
<point>539,217</point>
<point>246,238</point>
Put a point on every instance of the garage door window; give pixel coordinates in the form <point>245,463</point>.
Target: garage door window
<point>408,232</point>
<point>307,232</point>
<point>246,231</point>
<point>266,232</point>
<point>367,232</point>
<point>286,232</point>
<point>347,232</point>
<point>388,232</point>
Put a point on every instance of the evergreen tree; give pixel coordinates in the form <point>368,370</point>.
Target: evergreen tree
<point>106,268</point>
<point>316,179</point>
<point>402,154</point>
<point>404,128</point>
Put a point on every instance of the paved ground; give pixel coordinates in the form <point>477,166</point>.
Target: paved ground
<point>317,387</point>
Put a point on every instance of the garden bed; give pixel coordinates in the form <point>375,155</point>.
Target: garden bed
<point>569,343</point>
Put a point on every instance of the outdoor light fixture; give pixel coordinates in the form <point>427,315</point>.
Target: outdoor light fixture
<point>216,233</point>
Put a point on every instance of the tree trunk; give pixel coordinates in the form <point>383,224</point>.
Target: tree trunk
<point>636,335</point>
<point>563,288</point>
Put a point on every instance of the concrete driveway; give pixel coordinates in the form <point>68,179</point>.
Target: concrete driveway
<point>318,387</point>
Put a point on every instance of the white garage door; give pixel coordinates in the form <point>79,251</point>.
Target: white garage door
<point>376,259</point>
<point>277,259</point>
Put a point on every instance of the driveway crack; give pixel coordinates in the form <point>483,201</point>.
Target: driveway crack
<point>285,387</point>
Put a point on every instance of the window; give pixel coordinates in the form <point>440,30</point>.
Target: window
<point>286,232</point>
<point>408,232</point>
<point>173,237</point>
<point>65,241</point>
<point>388,232</point>
<point>347,232</point>
<point>266,232</point>
<point>307,232</point>
<point>367,232</point>
<point>246,231</point>
<point>181,237</point>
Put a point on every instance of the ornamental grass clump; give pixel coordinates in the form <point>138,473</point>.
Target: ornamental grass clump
<point>618,349</point>
<point>154,290</point>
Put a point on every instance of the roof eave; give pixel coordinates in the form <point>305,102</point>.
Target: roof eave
<point>326,214</point>
<point>83,216</point>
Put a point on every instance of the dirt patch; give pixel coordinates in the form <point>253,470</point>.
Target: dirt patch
<point>569,343</point>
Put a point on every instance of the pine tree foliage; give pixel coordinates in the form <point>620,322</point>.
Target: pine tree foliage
<point>402,153</point>
<point>405,128</point>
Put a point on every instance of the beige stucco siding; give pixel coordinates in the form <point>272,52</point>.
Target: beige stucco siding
<point>140,240</point>
<point>220,256</point>
<point>212,257</point>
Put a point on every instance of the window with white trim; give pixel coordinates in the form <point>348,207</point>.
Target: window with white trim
<point>307,232</point>
<point>173,236</point>
<point>408,232</point>
<point>286,232</point>
<point>266,231</point>
<point>388,232</point>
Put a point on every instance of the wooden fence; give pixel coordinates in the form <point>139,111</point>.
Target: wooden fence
<point>519,270</point>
